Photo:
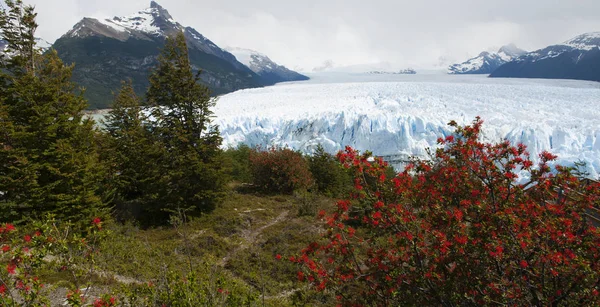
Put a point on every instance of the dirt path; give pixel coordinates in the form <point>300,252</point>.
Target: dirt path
<point>249,237</point>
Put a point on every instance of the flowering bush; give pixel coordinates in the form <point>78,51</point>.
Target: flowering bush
<point>459,230</point>
<point>24,253</point>
<point>280,170</point>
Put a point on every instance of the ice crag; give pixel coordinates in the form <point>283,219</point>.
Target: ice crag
<point>404,118</point>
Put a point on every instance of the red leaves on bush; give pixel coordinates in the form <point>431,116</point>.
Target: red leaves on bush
<point>459,230</point>
<point>280,170</point>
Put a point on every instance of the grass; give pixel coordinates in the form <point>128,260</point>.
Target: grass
<point>239,241</point>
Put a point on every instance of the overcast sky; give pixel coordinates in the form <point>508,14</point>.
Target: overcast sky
<point>306,33</point>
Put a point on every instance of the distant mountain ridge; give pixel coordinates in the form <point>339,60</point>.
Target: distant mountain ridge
<point>486,62</point>
<point>263,66</point>
<point>577,58</point>
<point>107,51</point>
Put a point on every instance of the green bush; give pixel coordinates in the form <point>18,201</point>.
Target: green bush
<point>330,177</point>
<point>280,170</point>
<point>238,163</point>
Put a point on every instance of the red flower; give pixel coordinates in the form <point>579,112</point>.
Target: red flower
<point>2,290</point>
<point>461,240</point>
<point>524,264</point>
<point>9,227</point>
<point>27,238</point>
<point>322,213</point>
<point>5,248</point>
<point>278,257</point>
<point>10,268</point>
<point>98,303</point>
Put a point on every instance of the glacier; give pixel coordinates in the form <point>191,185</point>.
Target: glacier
<point>401,116</point>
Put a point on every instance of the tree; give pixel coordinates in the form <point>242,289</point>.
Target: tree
<point>459,230</point>
<point>131,153</point>
<point>52,163</point>
<point>193,175</point>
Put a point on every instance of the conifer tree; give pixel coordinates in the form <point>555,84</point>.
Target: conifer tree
<point>52,162</point>
<point>181,108</point>
<point>132,153</point>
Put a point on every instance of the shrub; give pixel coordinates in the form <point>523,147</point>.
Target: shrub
<point>330,177</point>
<point>280,170</point>
<point>47,246</point>
<point>460,231</point>
<point>238,160</point>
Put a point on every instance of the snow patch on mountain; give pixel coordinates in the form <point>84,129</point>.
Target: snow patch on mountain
<point>263,66</point>
<point>245,56</point>
<point>43,44</point>
<point>587,41</point>
<point>583,43</point>
<point>154,21</point>
<point>487,62</point>
<point>401,119</point>
<point>142,21</point>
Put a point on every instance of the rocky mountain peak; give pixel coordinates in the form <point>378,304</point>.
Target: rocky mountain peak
<point>159,12</point>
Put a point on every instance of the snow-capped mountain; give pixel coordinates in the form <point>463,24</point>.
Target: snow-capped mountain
<point>486,62</point>
<point>43,44</point>
<point>108,50</point>
<point>577,58</point>
<point>259,63</point>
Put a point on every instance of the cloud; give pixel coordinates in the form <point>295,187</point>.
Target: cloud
<point>307,33</point>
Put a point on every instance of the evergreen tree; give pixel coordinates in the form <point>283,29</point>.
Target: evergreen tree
<point>132,153</point>
<point>181,111</point>
<point>51,159</point>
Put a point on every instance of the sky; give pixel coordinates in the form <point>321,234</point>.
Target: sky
<point>304,34</point>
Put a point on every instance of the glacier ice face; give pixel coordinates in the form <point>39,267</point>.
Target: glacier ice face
<point>402,117</point>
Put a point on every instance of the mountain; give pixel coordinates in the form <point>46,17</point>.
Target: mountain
<point>43,44</point>
<point>577,58</point>
<point>486,62</point>
<point>107,51</point>
<point>268,70</point>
